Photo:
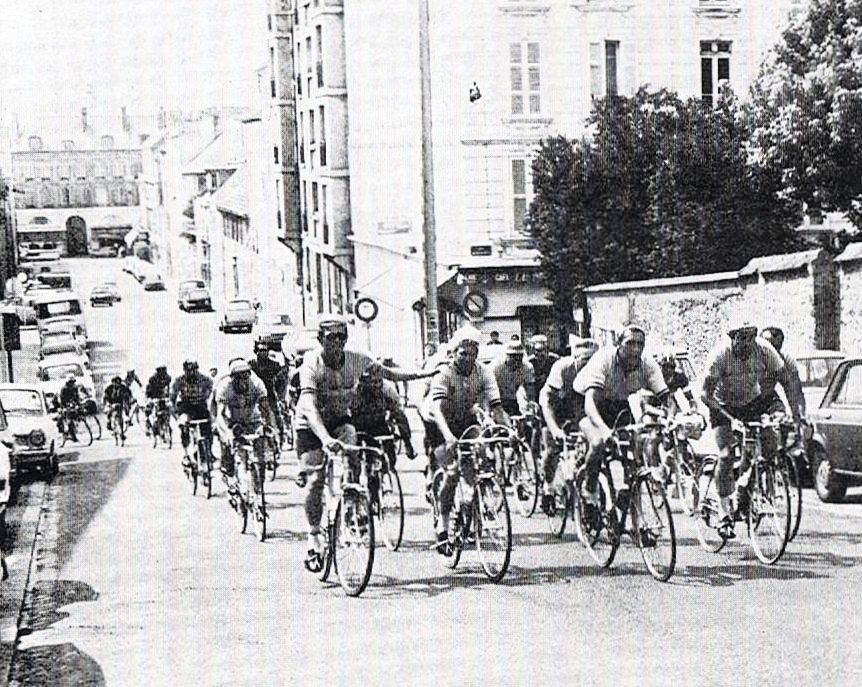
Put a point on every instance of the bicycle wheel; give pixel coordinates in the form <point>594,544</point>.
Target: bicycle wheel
<point>704,506</point>
<point>241,510</point>
<point>157,428</point>
<point>259,500</point>
<point>653,527</point>
<point>326,535</point>
<point>353,542</point>
<point>97,426</point>
<point>768,513</point>
<point>493,529</point>
<point>272,462</point>
<point>562,504</point>
<point>598,526</point>
<point>206,467</point>
<point>391,509</point>
<point>192,471</point>
<point>83,432</point>
<point>794,488</point>
<point>524,475</point>
<point>167,432</point>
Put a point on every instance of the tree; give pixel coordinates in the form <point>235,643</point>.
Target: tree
<point>807,108</point>
<point>661,187</point>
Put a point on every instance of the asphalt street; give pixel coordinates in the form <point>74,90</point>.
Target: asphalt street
<point>137,582</point>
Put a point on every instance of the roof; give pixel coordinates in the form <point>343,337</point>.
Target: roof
<point>780,263</point>
<point>232,195</point>
<point>56,295</point>
<point>23,386</point>
<point>62,359</point>
<point>225,151</point>
<point>663,282</point>
<point>851,253</point>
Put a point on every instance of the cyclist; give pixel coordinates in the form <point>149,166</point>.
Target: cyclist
<point>70,399</point>
<point>542,359</point>
<point>515,379</point>
<point>775,336</point>
<point>606,382</point>
<point>118,399</point>
<point>241,404</point>
<point>559,402</point>
<point>129,380</point>
<point>373,401</point>
<point>737,388</point>
<point>273,376</point>
<point>158,386</point>
<point>190,393</point>
<point>328,378</point>
<point>677,383</point>
<point>460,385</point>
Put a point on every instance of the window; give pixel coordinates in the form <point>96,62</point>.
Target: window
<point>714,68</point>
<point>298,67</point>
<point>519,195</point>
<point>311,127</point>
<point>101,195</point>
<point>319,38</point>
<point>323,208</point>
<point>34,143</point>
<point>604,69</point>
<point>302,137</point>
<point>107,142</point>
<point>65,171</point>
<point>99,170</point>
<point>850,393</point>
<point>308,56</point>
<point>275,154</point>
<point>322,137</point>
<point>314,203</point>
<point>119,168</point>
<point>524,78</point>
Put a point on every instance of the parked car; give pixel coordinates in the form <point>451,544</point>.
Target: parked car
<point>41,251</point>
<point>835,449</point>
<point>65,325</point>
<point>196,299</point>
<point>187,285</point>
<point>56,304</point>
<point>7,441</point>
<point>815,370</point>
<point>33,431</point>
<point>101,296</point>
<point>114,290</point>
<point>238,315</point>
<point>271,328</point>
<point>62,347</point>
<point>151,280</point>
<point>52,372</point>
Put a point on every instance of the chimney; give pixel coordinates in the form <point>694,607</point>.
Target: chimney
<point>127,127</point>
<point>84,125</point>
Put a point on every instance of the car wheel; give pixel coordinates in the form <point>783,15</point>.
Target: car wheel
<point>829,486</point>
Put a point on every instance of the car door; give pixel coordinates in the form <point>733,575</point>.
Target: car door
<point>840,418</point>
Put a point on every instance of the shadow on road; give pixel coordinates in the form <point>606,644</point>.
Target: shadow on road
<point>56,664</point>
<point>84,489</point>
<point>818,538</point>
<point>49,595</point>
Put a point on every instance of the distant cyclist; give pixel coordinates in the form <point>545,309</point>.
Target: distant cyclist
<point>156,391</point>
<point>190,393</point>
<point>542,359</point>
<point>117,399</point>
<point>515,379</point>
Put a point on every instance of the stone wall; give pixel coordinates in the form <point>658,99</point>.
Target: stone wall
<point>850,276</point>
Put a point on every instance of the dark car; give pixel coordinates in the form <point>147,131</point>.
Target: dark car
<point>834,450</point>
<point>196,299</point>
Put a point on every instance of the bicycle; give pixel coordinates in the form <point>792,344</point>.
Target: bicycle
<point>349,530</point>
<point>273,456</point>
<point>641,497</point>
<point>91,411</point>
<point>287,437</point>
<point>573,453</point>
<point>794,456</point>
<point>74,427</point>
<point>160,424</point>
<point>384,488</point>
<point>681,458</point>
<point>514,460</point>
<point>766,497</point>
<point>480,513</point>
<point>201,461</point>
<point>117,421</point>
<point>246,493</point>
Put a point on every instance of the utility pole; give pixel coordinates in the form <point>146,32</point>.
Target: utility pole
<point>429,230</point>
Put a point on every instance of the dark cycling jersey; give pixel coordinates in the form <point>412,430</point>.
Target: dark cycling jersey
<point>194,390</point>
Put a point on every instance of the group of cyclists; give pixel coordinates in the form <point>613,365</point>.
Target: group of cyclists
<point>334,392</point>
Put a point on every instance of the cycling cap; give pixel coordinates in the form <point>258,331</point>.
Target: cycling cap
<point>70,377</point>
<point>740,323</point>
<point>466,333</point>
<point>331,322</point>
<point>514,348</point>
<point>189,362</point>
<point>582,346</point>
<point>628,330</point>
<point>539,341</point>
<point>238,367</point>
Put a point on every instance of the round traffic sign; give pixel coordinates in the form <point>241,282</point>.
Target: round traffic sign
<point>366,309</point>
<point>475,303</point>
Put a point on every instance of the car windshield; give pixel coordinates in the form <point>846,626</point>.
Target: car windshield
<point>239,305</point>
<point>21,401</point>
<point>60,347</point>
<point>61,371</point>
<point>199,293</point>
<point>69,307</point>
<point>54,337</point>
<point>816,372</point>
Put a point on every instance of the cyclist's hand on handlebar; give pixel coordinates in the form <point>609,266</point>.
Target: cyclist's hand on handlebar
<point>333,445</point>
<point>607,436</point>
<point>737,425</point>
<point>558,434</point>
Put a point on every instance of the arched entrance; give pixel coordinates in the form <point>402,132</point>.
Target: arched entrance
<point>76,236</point>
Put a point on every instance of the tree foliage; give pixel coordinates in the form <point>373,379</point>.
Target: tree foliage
<point>661,187</point>
<point>807,108</point>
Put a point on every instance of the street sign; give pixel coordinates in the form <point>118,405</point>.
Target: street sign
<point>365,309</point>
<point>475,303</point>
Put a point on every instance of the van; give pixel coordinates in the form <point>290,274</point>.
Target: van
<point>60,303</point>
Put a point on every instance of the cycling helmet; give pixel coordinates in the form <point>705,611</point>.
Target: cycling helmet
<point>238,367</point>
<point>190,364</point>
<point>162,368</point>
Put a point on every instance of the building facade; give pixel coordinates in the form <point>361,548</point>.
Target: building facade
<point>78,185</point>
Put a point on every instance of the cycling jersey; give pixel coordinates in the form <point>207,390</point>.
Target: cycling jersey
<point>510,377</point>
<point>566,402</point>
<point>738,381</point>
<point>332,390</point>
<point>542,366</point>
<point>605,374</point>
<point>459,393</point>
<point>70,395</point>
<point>369,407</point>
<point>158,385</point>
<point>242,407</point>
<point>270,373</point>
<point>118,394</point>
<point>191,391</point>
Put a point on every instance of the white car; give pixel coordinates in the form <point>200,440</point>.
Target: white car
<point>32,430</point>
<point>53,371</point>
<point>62,347</point>
<point>238,315</point>
<point>271,328</point>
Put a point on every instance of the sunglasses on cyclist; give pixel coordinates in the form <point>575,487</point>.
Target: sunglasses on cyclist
<point>335,336</point>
